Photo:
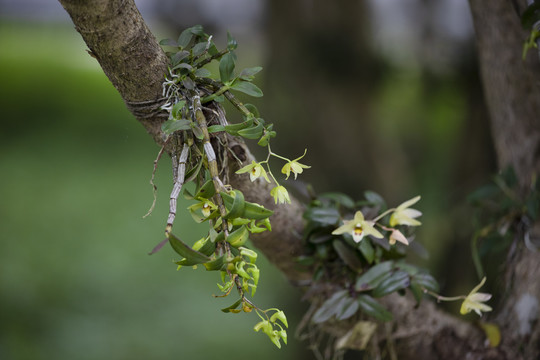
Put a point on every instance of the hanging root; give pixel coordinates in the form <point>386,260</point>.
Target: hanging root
<point>179,177</point>
<point>154,187</point>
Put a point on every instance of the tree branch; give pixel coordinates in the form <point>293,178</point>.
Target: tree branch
<point>130,56</point>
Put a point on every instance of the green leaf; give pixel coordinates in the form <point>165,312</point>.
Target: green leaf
<point>185,251</point>
<point>175,112</point>
<point>236,209</point>
<point>533,205</point>
<point>249,73</point>
<point>197,131</point>
<point>322,215</point>
<point>253,132</point>
<point>206,191</point>
<point>250,211</point>
<point>232,307</point>
<point>190,175</point>
<point>329,307</point>
<point>347,254</point>
<point>349,307</point>
<point>183,66</point>
<point>168,42</point>
<point>417,292</point>
<point>247,88</point>
<point>367,250</point>
<point>266,138</point>
<point>188,83</point>
<point>226,67</point>
<point>426,281</point>
<point>208,248</point>
<point>371,307</point>
<point>185,38</point>
<point>531,15</point>
<point>234,128</point>
<point>397,281</point>
<point>483,193</point>
<point>339,198</point>
<point>305,260</point>
<point>197,30</point>
<point>212,50</point>
<point>216,264</point>
<point>252,109</point>
<point>238,237</point>
<point>178,57</point>
<point>202,72</point>
<point>231,42</point>
<point>216,128</point>
<point>508,175</point>
<point>170,126</point>
<point>256,212</point>
<point>375,198</point>
<point>410,269</point>
<point>373,276</point>
<point>199,48</point>
<point>320,237</point>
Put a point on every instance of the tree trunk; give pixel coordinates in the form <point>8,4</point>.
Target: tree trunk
<point>512,92</point>
<point>130,56</point>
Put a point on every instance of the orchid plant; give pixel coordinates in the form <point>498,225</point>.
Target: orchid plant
<point>356,250</point>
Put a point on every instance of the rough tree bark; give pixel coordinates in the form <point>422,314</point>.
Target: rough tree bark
<point>512,92</point>
<point>117,36</point>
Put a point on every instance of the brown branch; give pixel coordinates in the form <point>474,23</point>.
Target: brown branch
<point>130,56</point>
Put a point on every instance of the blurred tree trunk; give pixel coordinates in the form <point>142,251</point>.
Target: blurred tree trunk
<point>128,53</point>
<point>512,91</point>
<point>321,77</point>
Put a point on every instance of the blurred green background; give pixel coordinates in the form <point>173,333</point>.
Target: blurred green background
<point>400,118</point>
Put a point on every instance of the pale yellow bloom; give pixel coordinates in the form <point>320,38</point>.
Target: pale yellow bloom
<point>358,228</point>
<point>280,195</point>
<point>403,215</point>
<point>294,166</point>
<point>255,171</point>
<point>474,301</point>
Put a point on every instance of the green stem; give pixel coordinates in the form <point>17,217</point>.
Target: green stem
<point>210,59</point>
<point>278,156</point>
<point>209,98</point>
<point>444,298</point>
<point>383,214</point>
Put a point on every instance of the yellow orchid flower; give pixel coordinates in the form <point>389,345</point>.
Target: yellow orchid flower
<point>255,170</point>
<point>294,166</point>
<point>280,195</point>
<point>358,227</point>
<point>403,215</point>
<point>207,208</point>
<point>474,301</point>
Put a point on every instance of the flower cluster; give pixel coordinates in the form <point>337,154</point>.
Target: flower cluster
<point>359,227</point>
<point>279,192</point>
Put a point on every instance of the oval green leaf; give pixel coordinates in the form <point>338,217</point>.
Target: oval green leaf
<point>190,255</point>
<point>371,307</point>
<point>247,88</point>
<point>397,281</point>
